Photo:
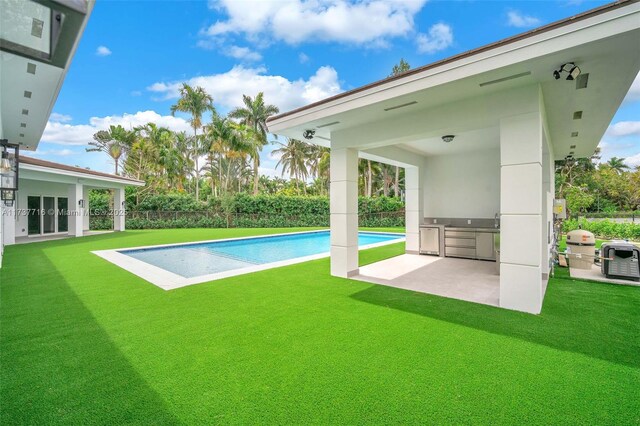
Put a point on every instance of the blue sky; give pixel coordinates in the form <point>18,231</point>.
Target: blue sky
<point>134,54</point>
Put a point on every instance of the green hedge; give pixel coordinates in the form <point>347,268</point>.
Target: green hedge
<point>605,229</point>
<point>261,211</point>
<point>605,215</point>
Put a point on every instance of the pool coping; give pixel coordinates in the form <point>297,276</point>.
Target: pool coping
<point>167,280</point>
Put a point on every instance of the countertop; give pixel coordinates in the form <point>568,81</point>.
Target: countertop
<point>460,228</point>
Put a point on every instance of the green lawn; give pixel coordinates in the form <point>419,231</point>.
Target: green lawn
<point>85,342</point>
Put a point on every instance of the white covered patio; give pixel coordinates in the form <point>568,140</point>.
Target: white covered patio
<point>477,135</point>
<point>52,202</point>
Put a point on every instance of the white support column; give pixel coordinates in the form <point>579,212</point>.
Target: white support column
<point>87,208</point>
<point>521,213</point>
<point>344,212</point>
<point>547,208</point>
<point>8,224</point>
<point>414,196</point>
<point>118,209</point>
<point>76,213</point>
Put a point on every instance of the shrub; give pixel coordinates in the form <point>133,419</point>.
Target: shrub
<point>264,211</point>
<point>605,229</point>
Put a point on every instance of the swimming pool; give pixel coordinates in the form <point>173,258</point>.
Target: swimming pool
<point>177,265</point>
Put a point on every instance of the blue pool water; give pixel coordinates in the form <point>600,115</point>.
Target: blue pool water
<point>193,260</point>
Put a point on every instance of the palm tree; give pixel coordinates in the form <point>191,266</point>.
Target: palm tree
<point>293,158</point>
<point>195,101</point>
<point>618,165</point>
<point>254,114</point>
<point>114,142</point>
<point>220,137</point>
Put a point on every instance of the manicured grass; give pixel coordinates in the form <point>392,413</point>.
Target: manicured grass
<point>85,342</point>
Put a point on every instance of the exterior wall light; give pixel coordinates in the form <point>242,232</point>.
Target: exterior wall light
<point>9,160</point>
<point>81,204</point>
<point>8,197</point>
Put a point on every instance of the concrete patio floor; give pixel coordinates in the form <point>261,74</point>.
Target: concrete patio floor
<point>50,237</point>
<point>471,280</point>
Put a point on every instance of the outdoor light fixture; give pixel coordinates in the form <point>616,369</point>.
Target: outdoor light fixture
<point>8,171</point>
<point>309,133</point>
<point>8,197</point>
<point>81,204</point>
<point>448,138</point>
<point>572,70</point>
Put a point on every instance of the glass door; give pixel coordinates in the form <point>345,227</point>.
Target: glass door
<point>63,219</point>
<point>48,215</point>
<point>33,221</point>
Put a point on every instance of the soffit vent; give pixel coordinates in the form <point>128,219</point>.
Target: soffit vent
<point>582,81</point>
<point>27,94</point>
<point>327,125</point>
<point>500,80</point>
<point>577,115</point>
<point>574,134</point>
<point>401,105</point>
<point>572,147</point>
<point>25,112</point>
<point>31,68</point>
<point>23,125</point>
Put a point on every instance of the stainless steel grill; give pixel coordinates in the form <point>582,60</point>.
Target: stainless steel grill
<point>620,260</point>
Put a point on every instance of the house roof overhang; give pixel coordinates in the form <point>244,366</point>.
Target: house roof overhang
<point>50,168</point>
<point>602,42</point>
<point>38,39</point>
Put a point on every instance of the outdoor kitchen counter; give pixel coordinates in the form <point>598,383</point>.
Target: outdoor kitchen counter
<point>470,229</point>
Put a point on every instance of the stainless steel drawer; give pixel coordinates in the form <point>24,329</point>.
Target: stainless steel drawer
<point>459,234</point>
<point>460,242</point>
<point>460,252</point>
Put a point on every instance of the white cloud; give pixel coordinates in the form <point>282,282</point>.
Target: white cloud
<point>227,88</point>
<point>297,21</point>
<point>624,128</point>
<point>634,91</point>
<point>518,20</point>
<point>242,53</point>
<point>439,37</point>
<point>633,161</point>
<point>103,51</point>
<point>81,134</point>
<point>65,152</point>
<point>60,118</point>
<point>303,58</point>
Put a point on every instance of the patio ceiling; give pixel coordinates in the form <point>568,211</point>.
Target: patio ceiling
<point>604,46</point>
<point>37,42</point>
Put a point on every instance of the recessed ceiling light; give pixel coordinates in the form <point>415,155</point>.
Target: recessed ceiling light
<point>25,112</point>
<point>23,125</point>
<point>31,68</point>
<point>574,134</point>
<point>582,81</point>
<point>577,115</point>
<point>401,105</point>
<point>27,94</point>
<point>36,27</point>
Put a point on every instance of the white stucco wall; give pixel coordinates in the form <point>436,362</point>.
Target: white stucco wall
<point>463,185</point>
<point>36,188</point>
